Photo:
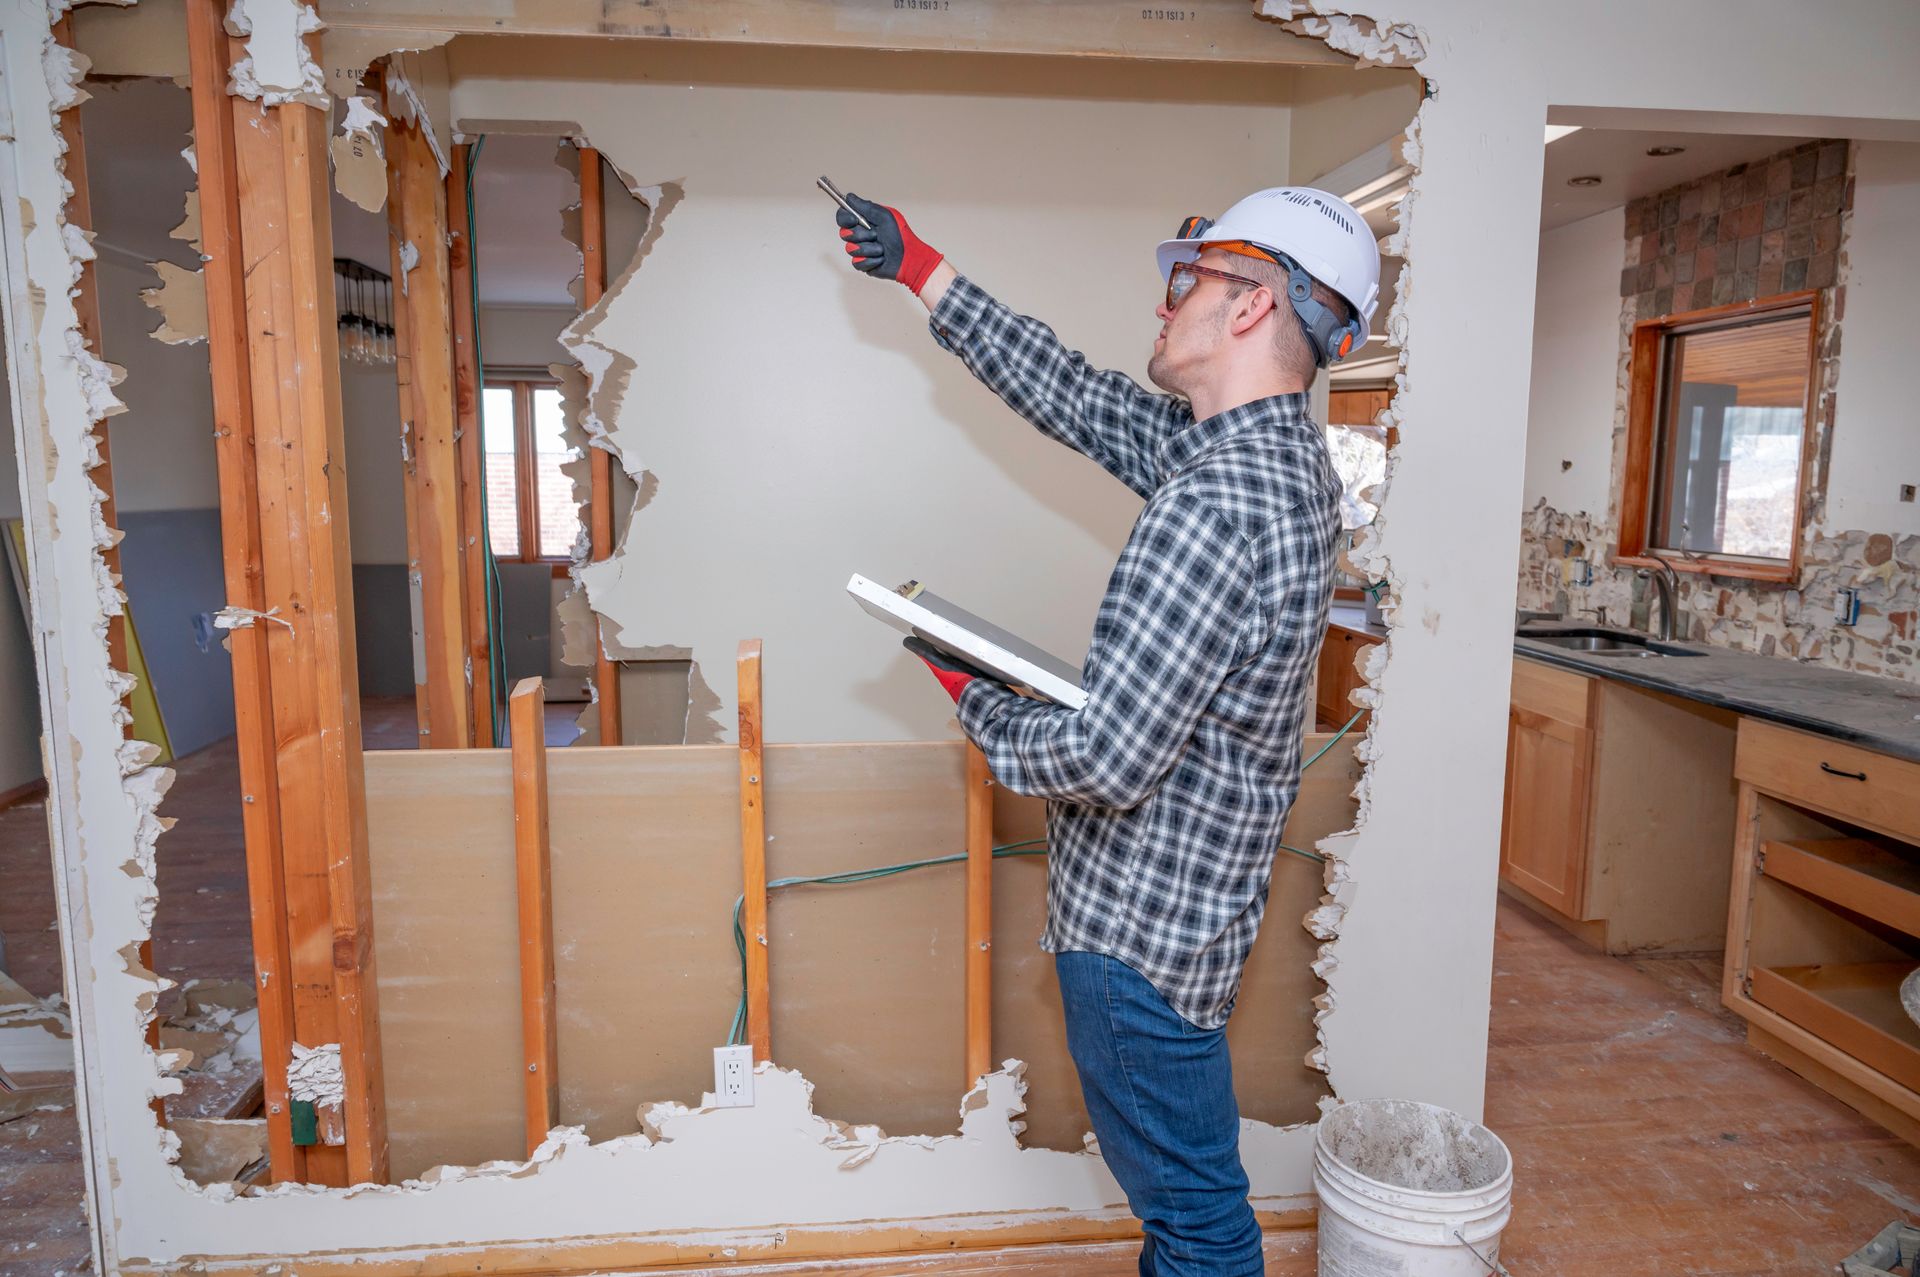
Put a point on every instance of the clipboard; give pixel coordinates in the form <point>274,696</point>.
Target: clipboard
<point>914,609</point>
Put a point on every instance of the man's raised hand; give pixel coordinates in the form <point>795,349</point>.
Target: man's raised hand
<point>888,249</point>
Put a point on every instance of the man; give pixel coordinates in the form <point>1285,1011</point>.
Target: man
<point>1167,791</point>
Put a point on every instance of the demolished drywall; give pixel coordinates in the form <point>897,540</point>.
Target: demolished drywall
<point>279,65</point>
<point>359,156</point>
<point>1370,41</point>
<point>181,299</point>
<point>61,392</point>
<point>1415,937</point>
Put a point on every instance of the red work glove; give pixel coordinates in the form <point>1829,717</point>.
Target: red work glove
<point>954,675</point>
<point>889,249</point>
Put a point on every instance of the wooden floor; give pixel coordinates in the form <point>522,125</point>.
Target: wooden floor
<point>1647,1138</point>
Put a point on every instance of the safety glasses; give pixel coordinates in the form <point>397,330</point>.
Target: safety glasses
<point>1185,275</point>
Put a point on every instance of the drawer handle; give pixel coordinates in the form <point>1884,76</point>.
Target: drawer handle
<point>1835,771</point>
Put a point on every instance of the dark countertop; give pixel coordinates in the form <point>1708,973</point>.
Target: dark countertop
<point>1353,616</point>
<point>1881,714</point>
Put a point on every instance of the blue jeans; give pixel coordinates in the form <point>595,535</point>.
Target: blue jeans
<point>1160,1093</point>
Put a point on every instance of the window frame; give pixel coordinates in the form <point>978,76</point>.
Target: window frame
<point>1650,396</point>
<point>526,487</point>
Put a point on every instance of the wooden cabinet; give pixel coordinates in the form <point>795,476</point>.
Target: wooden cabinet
<point>1824,919</point>
<point>1619,811</point>
<point>1339,675</point>
<point>1543,838</point>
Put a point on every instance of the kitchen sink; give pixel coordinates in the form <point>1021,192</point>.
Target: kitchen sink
<point>1623,643</point>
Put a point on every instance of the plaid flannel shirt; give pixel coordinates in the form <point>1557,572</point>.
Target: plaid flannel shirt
<point>1168,790</point>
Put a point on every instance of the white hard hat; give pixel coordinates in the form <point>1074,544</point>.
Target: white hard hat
<point>1308,231</point>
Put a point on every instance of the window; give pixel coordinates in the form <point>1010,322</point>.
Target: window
<point>1359,450</point>
<point>1717,439</point>
<point>531,514</point>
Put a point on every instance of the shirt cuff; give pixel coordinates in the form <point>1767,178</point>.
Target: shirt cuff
<point>981,702</point>
<point>964,305</point>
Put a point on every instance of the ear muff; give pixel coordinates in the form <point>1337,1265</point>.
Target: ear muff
<point>1194,228</point>
<point>1327,337</point>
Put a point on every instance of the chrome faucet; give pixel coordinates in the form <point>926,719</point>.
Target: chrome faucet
<point>1666,583</point>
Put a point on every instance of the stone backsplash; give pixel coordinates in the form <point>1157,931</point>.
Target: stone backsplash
<point>1564,569</point>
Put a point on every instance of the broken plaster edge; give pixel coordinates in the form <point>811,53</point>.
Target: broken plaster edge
<point>608,372</point>
<point>1374,43</point>
<point>61,393</point>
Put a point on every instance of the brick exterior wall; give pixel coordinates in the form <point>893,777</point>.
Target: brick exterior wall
<point>1754,230</point>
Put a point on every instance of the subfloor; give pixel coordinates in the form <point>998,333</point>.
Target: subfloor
<point>1647,1138</point>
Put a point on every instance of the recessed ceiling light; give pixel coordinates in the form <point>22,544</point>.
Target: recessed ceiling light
<point>1588,179</point>
<point>1661,152</point>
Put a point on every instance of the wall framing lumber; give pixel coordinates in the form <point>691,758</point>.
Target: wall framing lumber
<point>979,915</point>
<point>280,350</point>
<point>753,850</point>
<point>1198,31</point>
<point>533,876</point>
<point>467,441</point>
<point>241,551</point>
<point>593,286</point>
<point>423,322</point>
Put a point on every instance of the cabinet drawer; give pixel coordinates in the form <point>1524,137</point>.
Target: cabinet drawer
<point>1555,693</point>
<point>1875,790</point>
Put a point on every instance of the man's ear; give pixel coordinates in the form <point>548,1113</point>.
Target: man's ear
<point>1251,307</point>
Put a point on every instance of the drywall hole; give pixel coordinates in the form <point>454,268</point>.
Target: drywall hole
<point>1906,492</point>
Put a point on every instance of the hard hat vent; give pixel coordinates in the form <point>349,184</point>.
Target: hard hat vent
<point>1307,199</point>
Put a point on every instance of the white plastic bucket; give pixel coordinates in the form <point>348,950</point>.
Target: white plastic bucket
<point>1401,1184</point>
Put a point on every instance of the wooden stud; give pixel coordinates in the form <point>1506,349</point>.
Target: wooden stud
<point>424,339</point>
<point>467,444</point>
<point>277,268</point>
<point>539,1025</point>
<point>979,916</point>
<point>227,354</point>
<point>753,851</point>
<point>593,286</point>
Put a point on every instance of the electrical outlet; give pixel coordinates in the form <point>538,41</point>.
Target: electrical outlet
<point>733,1077</point>
<point>1846,607</point>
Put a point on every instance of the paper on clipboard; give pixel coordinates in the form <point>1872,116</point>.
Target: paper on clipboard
<point>912,609</point>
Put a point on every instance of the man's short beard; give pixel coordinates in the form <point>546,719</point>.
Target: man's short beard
<point>1159,370</point>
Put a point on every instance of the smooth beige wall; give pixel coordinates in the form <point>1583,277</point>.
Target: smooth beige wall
<point>1339,112</point>
<point>800,420</point>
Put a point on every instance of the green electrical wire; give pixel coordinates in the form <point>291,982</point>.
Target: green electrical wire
<point>496,616</point>
<point>1032,847</point>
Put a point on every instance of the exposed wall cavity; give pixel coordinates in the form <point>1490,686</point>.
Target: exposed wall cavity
<point>591,397</point>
